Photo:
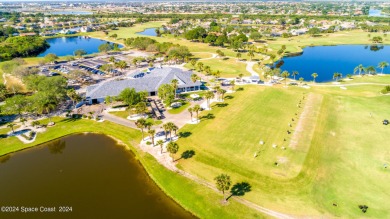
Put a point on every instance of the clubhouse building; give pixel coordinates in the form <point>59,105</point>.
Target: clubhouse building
<point>148,81</point>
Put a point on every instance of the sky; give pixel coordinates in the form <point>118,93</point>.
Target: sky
<point>168,0</point>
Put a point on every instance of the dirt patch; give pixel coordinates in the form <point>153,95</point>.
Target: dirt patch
<point>282,160</point>
<point>307,121</point>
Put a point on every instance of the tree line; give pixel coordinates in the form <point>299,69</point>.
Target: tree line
<point>20,46</point>
<point>174,52</point>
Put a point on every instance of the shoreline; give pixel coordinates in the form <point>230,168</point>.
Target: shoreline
<point>78,35</point>
<point>129,148</point>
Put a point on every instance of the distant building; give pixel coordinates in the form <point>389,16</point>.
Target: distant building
<point>66,31</point>
<point>85,29</point>
<point>143,81</point>
<point>28,34</point>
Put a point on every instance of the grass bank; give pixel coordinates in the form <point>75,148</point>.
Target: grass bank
<point>200,200</point>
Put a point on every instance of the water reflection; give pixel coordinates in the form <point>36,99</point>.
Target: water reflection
<point>89,173</point>
<point>56,147</point>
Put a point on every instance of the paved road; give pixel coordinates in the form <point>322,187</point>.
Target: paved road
<point>345,85</point>
<point>115,119</point>
<point>249,68</point>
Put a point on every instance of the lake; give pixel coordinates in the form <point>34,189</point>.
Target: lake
<point>376,13</point>
<point>63,46</point>
<point>88,173</point>
<point>71,12</point>
<point>148,32</point>
<point>326,60</point>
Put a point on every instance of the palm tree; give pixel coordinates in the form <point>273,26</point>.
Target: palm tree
<point>223,183</point>
<point>161,143</point>
<point>148,125</point>
<point>383,65</point>
<point>301,80</point>
<point>251,54</point>
<point>217,74</point>
<point>209,95</point>
<point>48,107</point>
<point>172,148</point>
<point>194,78</point>
<point>207,69</point>
<point>175,84</point>
<point>294,73</point>
<point>222,93</point>
<point>121,64</point>
<point>190,110</point>
<point>23,120</point>
<point>141,124</point>
<point>240,76</point>
<point>238,55</point>
<point>174,128</point>
<point>370,69</point>
<point>166,129</point>
<point>314,75</point>
<point>196,109</point>
<point>112,59</point>
<point>35,123</point>
<point>11,125</point>
<point>171,127</point>
<point>232,83</point>
<point>71,93</point>
<point>135,62</point>
<point>359,69</point>
<point>193,63</point>
<point>335,75</point>
<point>200,66</point>
<point>152,132</point>
<point>285,75</point>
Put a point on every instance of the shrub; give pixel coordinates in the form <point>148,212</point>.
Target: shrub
<point>386,90</point>
<point>363,208</point>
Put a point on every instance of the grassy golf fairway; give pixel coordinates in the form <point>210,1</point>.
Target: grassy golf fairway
<point>296,44</point>
<point>338,159</point>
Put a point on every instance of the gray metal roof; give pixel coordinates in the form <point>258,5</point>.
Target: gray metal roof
<point>150,82</point>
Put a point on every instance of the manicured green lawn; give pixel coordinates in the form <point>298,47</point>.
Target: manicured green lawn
<point>125,114</point>
<point>179,109</point>
<point>295,44</point>
<point>343,163</point>
<point>193,197</point>
<point>229,67</point>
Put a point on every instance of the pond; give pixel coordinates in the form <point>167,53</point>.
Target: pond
<point>71,12</point>
<point>148,32</point>
<point>63,46</point>
<point>376,13</point>
<point>88,173</point>
<point>326,60</point>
